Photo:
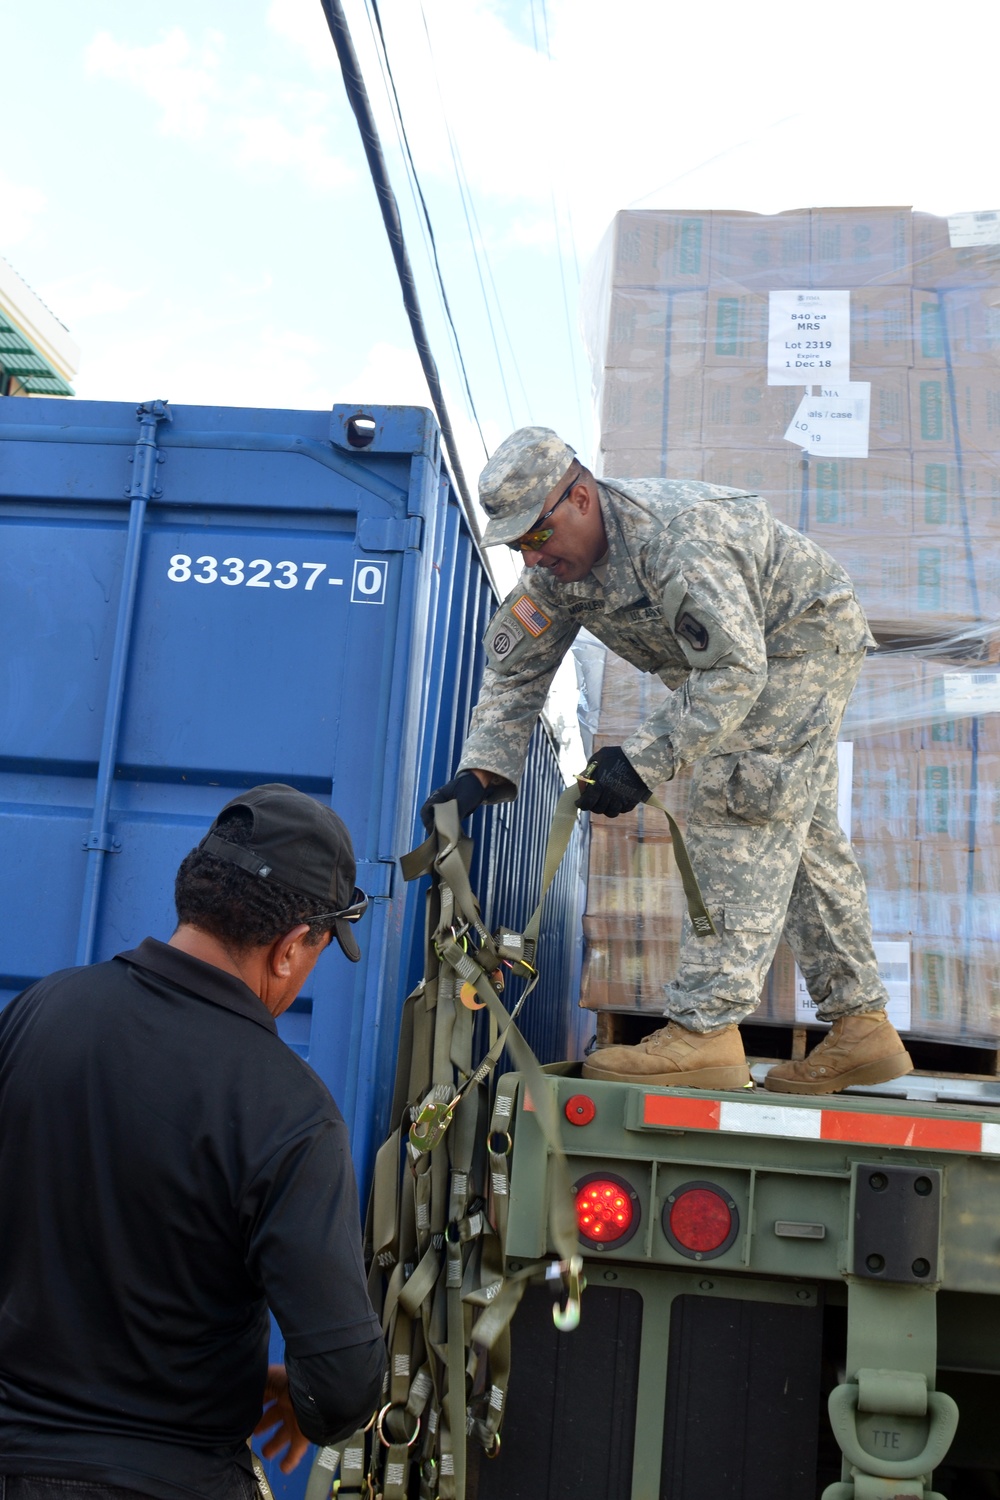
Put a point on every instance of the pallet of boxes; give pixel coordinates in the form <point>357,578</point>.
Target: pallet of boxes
<point>844,363</point>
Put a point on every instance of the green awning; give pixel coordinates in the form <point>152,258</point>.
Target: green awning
<point>21,358</point>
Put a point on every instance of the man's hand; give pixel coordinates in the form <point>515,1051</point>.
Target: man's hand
<point>466,789</point>
<point>611,784</point>
<point>279,1413</point>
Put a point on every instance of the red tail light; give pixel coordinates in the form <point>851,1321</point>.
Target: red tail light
<point>700,1220</point>
<point>607,1210</point>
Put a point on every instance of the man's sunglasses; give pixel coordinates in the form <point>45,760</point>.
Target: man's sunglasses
<point>539,534</point>
<point>352,913</point>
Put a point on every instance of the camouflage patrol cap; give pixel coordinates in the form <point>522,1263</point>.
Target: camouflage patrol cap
<point>514,485</point>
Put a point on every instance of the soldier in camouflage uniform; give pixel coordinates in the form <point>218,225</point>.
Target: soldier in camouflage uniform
<point>760,636</point>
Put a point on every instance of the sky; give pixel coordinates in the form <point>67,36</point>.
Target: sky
<point>185,187</point>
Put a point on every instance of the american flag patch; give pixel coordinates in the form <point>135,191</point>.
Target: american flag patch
<point>530,616</point>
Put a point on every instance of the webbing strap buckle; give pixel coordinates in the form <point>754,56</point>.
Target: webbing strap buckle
<point>567,1318</point>
<point>431,1125</point>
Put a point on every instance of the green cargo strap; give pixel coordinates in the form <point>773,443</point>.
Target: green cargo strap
<point>697,910</point>
<point>436,1234</point>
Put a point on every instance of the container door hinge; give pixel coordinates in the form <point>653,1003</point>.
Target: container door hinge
<point>376,876</point>
<point>376,535</point>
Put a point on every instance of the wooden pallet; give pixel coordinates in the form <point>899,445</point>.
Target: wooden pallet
<point>767,1041</point>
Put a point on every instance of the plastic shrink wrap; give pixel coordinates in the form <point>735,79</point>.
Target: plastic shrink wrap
<point>844,363</point>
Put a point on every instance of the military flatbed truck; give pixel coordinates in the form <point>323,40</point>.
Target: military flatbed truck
<point>785,1298</point>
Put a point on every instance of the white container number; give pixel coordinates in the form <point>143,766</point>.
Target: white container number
<point>368,586</point>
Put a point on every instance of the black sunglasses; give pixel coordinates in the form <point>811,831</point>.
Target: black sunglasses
<point>352,913</point>
<point>540,534</point>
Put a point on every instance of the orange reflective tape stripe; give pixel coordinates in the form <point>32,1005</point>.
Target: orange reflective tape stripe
<point>681,1114</point>
<point>901,1130</point>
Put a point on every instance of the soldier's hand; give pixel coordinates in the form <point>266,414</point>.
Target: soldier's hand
<point>466,789</point>
<point>611,784</point>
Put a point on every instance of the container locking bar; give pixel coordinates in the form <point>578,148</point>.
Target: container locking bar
<point>142,488</point>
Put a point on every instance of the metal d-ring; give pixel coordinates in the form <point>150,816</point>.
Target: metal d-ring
<point>386,1442</point>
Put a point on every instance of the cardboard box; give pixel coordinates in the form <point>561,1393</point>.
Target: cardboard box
<point>637,330</point>
<point>944,591</point>
<point>852,247</point>
<point>776,475</point>
<point>944,725</point>
<point>880,574</point>
<point>938,987</point>
<point>963,499</point>
<point>742,411</point>
<point>737,328</point>
<point>931,416</point>
<point>944,803</point>
<point>977,399</point>
<point>870,495</point>
<point>891,869</point>
<point>661,248</point>
<point>882,326</point>
<point>885,796</point>
<point>982,990</point>
<point>936,264</point>
<point>965,401</point>
<point>972,317</point>
<point>638,411</point>
<point>629,973</point>
<point>687,314</point>
<point>760,251</point>
<point>887,705</point>
<point>890,415</point>
<point>927,327</point>
<point>645,463</point>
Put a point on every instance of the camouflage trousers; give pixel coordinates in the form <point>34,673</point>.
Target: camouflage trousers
<point>770,856</point>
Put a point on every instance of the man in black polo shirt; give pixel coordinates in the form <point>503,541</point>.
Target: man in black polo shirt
<point>169,1170</point>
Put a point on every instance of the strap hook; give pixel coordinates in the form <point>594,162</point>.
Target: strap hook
<point>567,1318</point>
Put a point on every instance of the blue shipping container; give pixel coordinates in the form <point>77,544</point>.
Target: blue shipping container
<point>198,599</point>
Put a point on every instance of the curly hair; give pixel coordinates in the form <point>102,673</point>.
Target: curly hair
<point>236,907</point>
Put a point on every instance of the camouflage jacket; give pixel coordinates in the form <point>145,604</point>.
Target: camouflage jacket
<point>702,587</point>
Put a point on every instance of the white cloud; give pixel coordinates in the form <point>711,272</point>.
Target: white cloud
<point>20,206</point>
<point>302,25</point>
<point>234,356</point>
<point>266,140</point>
<point>200,99</point>
<point>85,296</point>
<point>181,79</point>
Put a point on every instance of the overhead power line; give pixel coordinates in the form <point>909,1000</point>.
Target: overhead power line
<point>425,212</point>
<point>361,105</point>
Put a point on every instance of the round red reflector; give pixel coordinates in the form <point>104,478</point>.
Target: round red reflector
<point>580,1109</point>
<point>607,1210</point>
<point>700,1220</point>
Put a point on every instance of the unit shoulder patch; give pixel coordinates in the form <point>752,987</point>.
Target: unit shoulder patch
<point>693,631</point>
<point>503,640</point>
<point>534,620</point>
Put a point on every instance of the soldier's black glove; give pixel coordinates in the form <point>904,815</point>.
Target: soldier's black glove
<point>466,789</point>
<point>616,786</point>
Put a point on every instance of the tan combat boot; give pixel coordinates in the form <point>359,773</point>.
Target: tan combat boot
<point>674,1055</point>
<point>863,1048</point>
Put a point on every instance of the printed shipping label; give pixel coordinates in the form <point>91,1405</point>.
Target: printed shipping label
<point>971,693</point>
<point>835,423</point>
<point>965,231</point>
<point>894,972</point>
<point>808,337</point>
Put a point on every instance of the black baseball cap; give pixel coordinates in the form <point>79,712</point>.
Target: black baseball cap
<point>299,843</point>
